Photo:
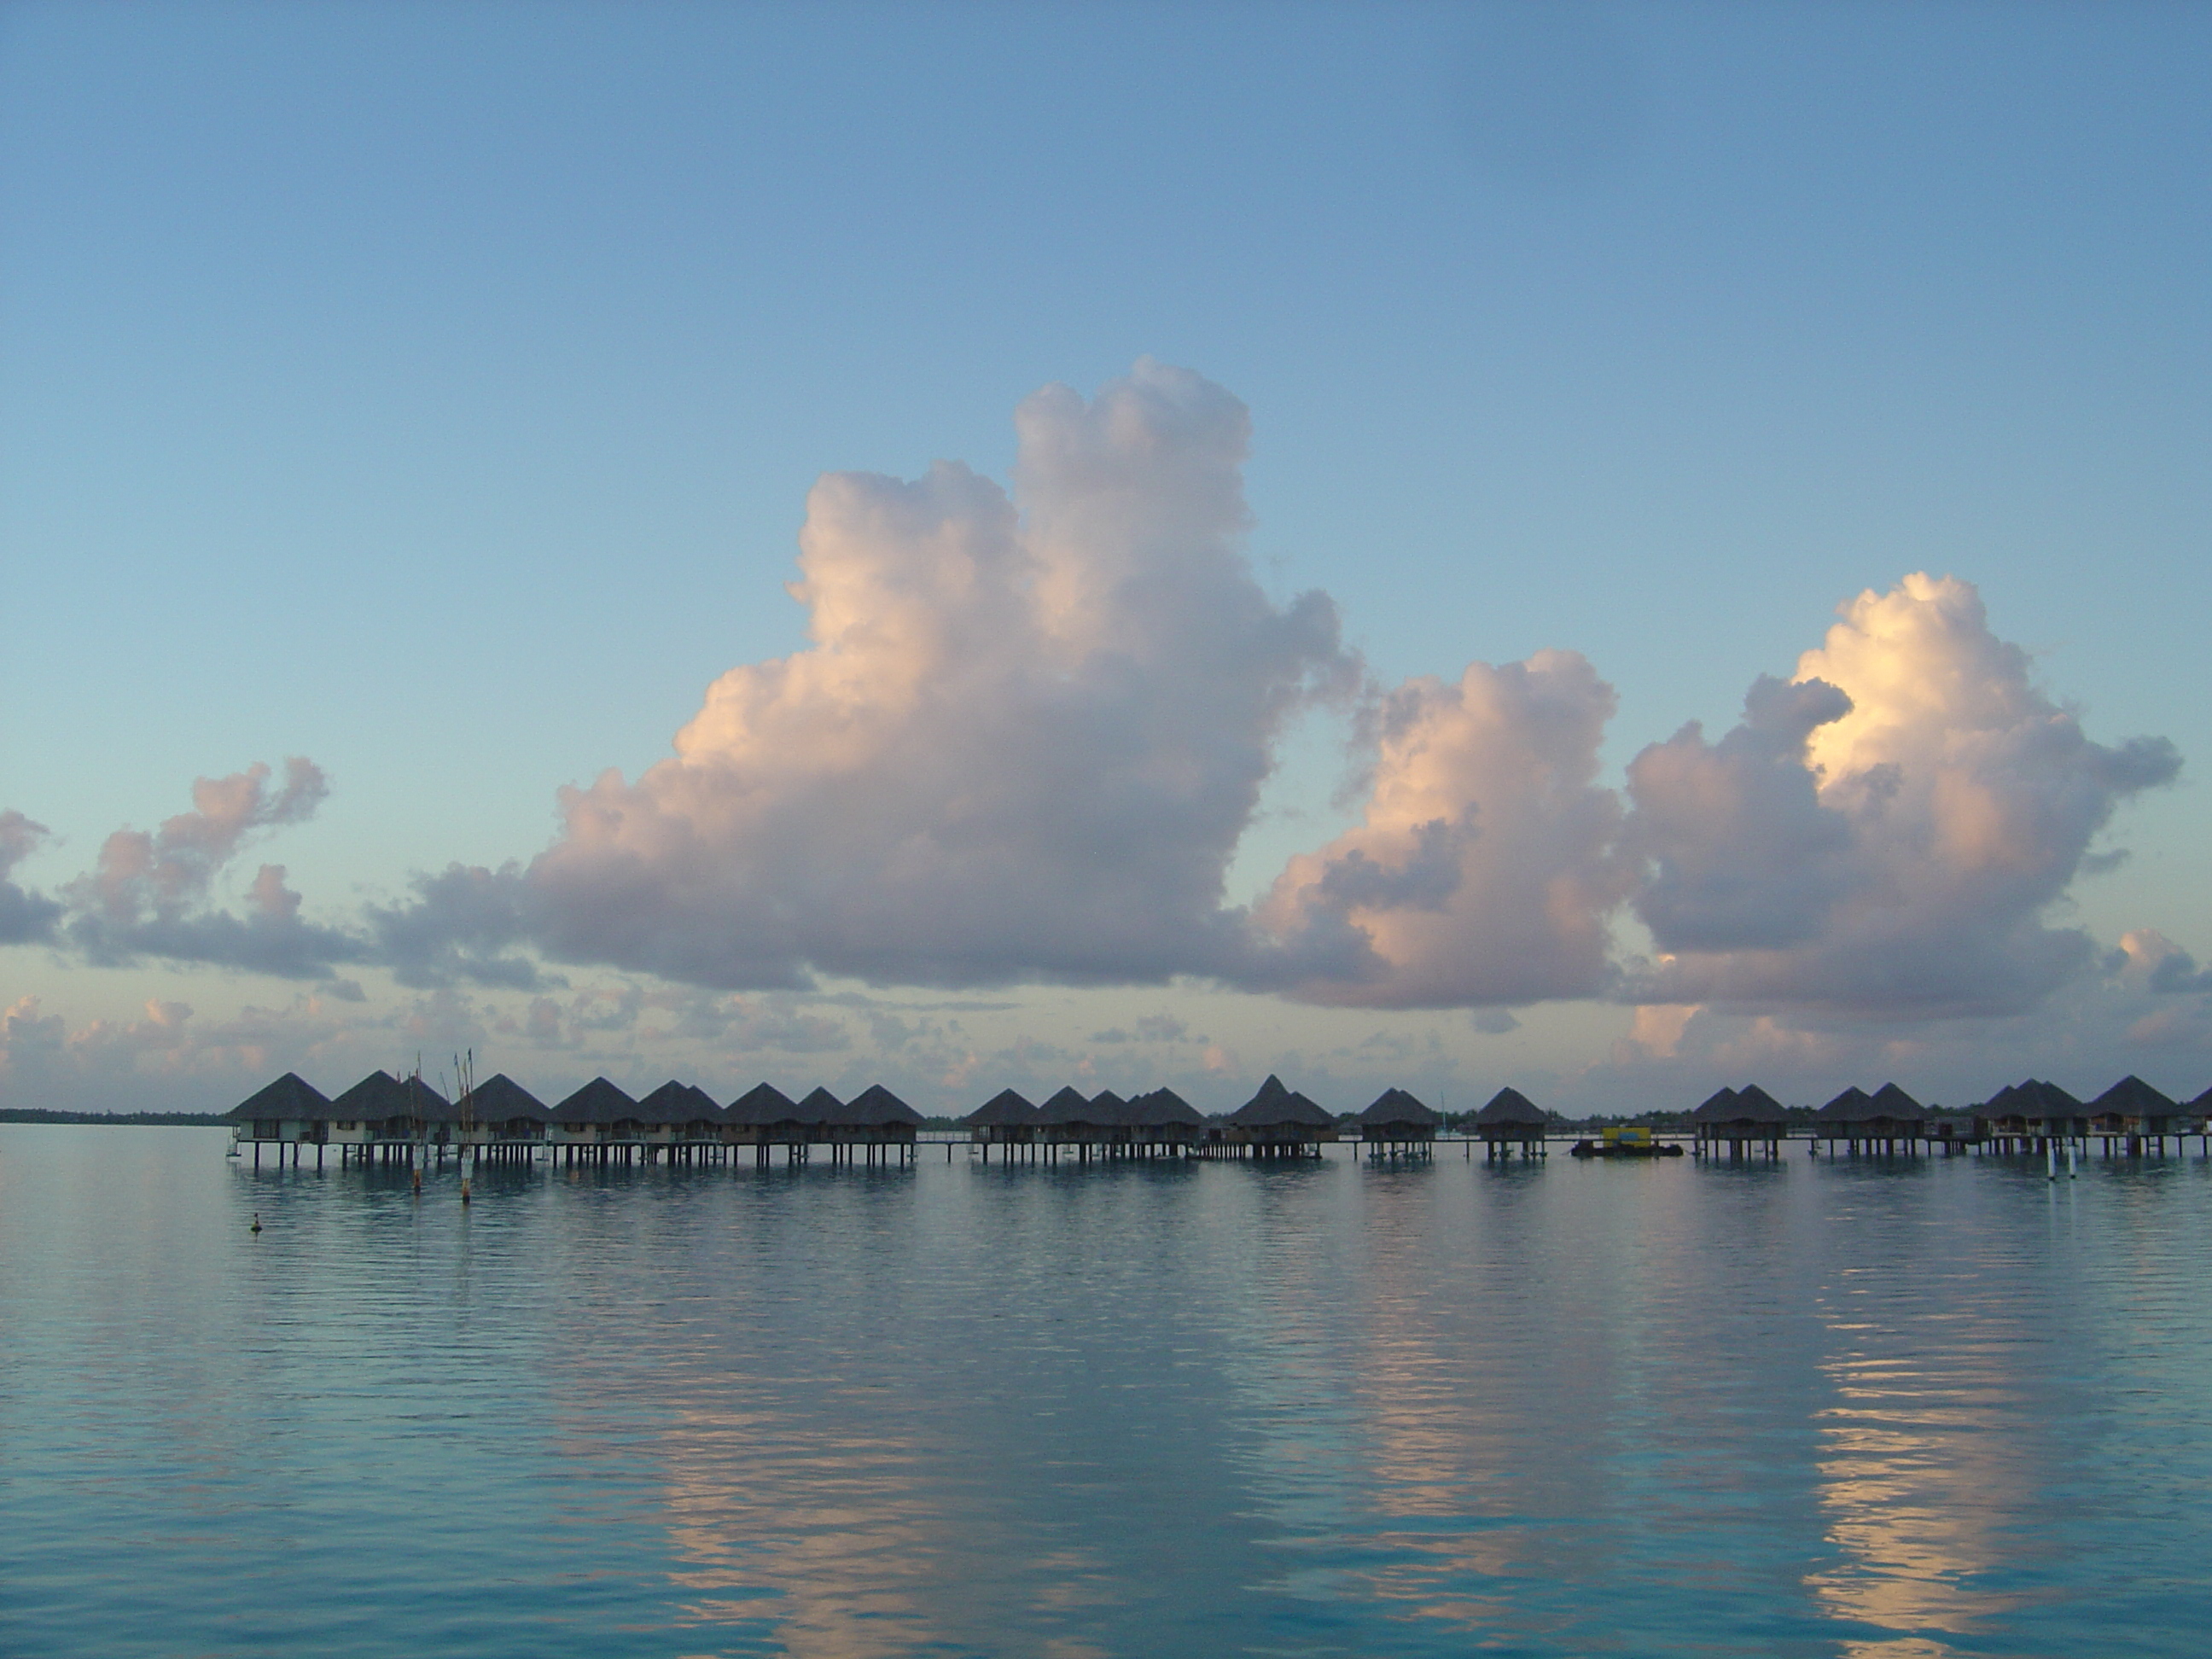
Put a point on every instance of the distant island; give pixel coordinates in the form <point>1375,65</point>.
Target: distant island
<point>189,1119</point>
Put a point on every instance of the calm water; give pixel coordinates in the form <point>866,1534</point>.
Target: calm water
<point>1911,1408</point>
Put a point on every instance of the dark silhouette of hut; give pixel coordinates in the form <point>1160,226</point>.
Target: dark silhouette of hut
<point>1276,1122</point>
<point>1163,1121</point>
<point>877,1121</point>
<point>680,1120</point>
<point>2134,1114</point>
<point>762,1117</point>
<point>289,1112</point>
<point>1067,1118</point>
<point>1006,1119</point>
<point>1739,1117</point>
<point>1111,1114</point>
<point>1881,1121</point>
<point>1512,1120</point>
<point>510,1122</point>
<point>1396,1122</point>
<point>599,1121</point>
<point>387,1119</point>
<point>2028,1116</point>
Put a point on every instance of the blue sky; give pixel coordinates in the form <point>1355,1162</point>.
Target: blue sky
<point>435,391</point>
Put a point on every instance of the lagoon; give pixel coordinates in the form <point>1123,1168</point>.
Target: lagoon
<point>1818,1406</point>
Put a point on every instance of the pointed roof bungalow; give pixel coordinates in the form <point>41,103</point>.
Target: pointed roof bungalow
<point>1850,1107</point>
<point>1163,1108</point>
<point>1275,1107</point>
<point>290,1099</point>
<point>500,1103</point>
<point>598,1102</point>
<point>2132,1107</point>
<point>1510,1109</point>
<point>1067,1108</point>
<point>377,1098</point>
<point>2030,1107</point>
<point>875,1109</point>
<point>1007,1110</point>
<point>762,1103</point>
<point>1109,1108</point>
<point>669,1104</point>
<point>818,1107</point>
<point>1739,1116</point>
<point>1395,1115</point>
<point>1888,1113</point>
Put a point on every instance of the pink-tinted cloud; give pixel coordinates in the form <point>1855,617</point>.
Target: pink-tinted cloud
<point>1484,871</point>
<point>1888,835</point>
<point>1023,744</point>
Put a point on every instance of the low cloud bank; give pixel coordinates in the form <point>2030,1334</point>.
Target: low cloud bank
<point>1031,729</point>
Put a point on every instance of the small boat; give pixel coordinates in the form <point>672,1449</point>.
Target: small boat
<point>1625,1140</point>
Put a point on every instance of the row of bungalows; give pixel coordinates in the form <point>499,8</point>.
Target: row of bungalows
<point>1277,1122</point>
<point>385,1119</point>
<point>1740,1120</point>
<point>2130,1117</point>
<point>1159,1124</point>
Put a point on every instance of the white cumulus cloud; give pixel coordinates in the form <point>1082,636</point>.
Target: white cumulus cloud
<point>1885,835</point>
<point>1023,744</point>
<point>1484,872</point>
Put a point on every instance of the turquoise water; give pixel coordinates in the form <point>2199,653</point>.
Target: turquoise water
<point>1908,1407</point>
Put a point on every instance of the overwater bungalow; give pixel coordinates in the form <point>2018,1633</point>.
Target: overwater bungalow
<point>2134,1114</point>
<point>2028,1115</point>
<point>680,1121</point>
<point>1738,1118</point>
<point>1163,1121</point>
<point>1006,1121</point>
<point>383,1119</point>
<point>877,1121</point>
<point>597,1123</point>
<point>1276,1122</point>
<point>1879,1121</point>
<point>762,1117</point>
<point>508,1122</point>
<point>1398,1124</point>
<point>1069,1119</point>
<point>289,1112</point>
<point>1512,1120</point>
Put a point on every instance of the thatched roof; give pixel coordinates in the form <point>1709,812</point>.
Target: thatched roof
<point>1396,1106</point>
<point>1849,1106</point>
<point>291,1096</point>
<point>762,1103</point>
<point>820,1106</point>
<point>1891,1103</point>
<point>597,1102</point>
<point>377,1098</point>
<point>1275,1106</point>
<point>1510,1106</point>
<point>2202,1106</point>
<point>1067,1106</point>
<point>500,1099</point>
<point>875,1107</point>
<point>676,1102</point>
<point>1107,1107</point>
<point>1162,1107</point>
<point>1755,1105</point>
<point>1005,1110</point>
<point>2031,1099</point>
<point>1719,1107</point>
<point>2132,1098</point>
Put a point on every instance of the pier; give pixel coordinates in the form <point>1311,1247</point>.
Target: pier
<point>383,1119</point>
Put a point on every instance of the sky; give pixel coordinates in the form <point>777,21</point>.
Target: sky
<point>1610,549</point>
